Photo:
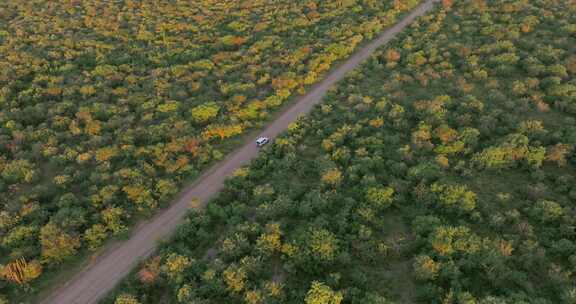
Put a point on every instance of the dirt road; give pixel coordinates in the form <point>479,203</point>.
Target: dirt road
<point>94,282</point>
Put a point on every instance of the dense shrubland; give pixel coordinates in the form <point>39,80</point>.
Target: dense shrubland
<point>106,107</point>
<point>442,171</point>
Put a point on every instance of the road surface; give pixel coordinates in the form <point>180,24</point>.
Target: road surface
<point>95,281</point>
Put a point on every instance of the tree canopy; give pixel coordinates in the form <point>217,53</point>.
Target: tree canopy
<point>441,171</point>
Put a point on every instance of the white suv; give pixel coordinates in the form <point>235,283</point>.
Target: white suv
<point>261,141</point>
